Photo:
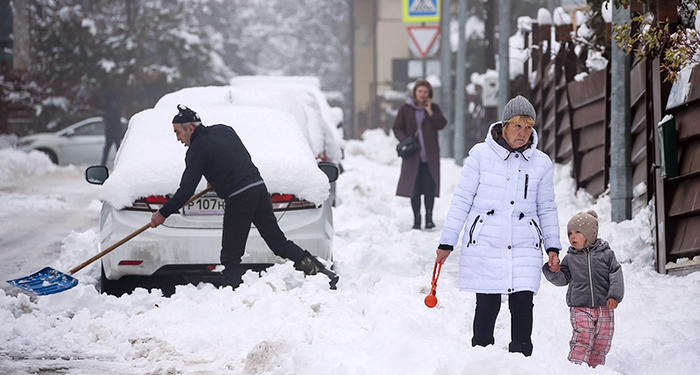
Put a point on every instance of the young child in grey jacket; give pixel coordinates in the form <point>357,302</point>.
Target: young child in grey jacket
<point>595,288</point>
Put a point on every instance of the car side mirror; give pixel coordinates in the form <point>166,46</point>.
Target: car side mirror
<point>96,174</point>
<point>330,169</point>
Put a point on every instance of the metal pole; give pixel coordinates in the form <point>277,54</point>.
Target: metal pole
<point>446,73</point>
<point>423,61</point>
<point>620,124</point>
<point>503,55</point>
<point>460,153</point>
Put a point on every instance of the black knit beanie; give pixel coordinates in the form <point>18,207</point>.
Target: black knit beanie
<point>185,115</point>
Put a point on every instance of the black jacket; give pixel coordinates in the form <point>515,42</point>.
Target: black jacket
<point>217,153</point>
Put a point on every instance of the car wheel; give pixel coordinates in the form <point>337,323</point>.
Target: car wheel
<point>114,287</point>
<point>50,154</point>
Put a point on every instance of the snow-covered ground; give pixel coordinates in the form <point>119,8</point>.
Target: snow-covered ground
<point>282,323</point>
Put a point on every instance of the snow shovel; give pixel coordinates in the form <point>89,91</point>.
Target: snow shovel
<point>50,281</point>
<point>431,300</point>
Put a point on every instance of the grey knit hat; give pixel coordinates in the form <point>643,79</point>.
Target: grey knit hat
<point>518,106</point>
<point>586,223</point>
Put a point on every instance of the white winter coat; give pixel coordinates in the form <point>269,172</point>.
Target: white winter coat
<point>506,200</point>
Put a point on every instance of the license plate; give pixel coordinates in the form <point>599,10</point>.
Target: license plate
<point>205,206</point>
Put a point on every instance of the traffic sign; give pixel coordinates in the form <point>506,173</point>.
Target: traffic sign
<point>421,10</point>
<point>423,37</point>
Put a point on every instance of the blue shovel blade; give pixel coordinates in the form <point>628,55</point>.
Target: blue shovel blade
<point>44,282</point>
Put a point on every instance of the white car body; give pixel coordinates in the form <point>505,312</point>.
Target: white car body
<point>78,144</point>
<point>151,161</point>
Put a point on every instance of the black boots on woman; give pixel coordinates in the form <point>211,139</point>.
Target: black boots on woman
<point>429,219</point>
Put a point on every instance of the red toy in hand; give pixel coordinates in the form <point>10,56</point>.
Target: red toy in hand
<point>431,300</point>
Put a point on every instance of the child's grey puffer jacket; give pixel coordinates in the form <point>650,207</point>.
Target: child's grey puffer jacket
<point>592,273</point>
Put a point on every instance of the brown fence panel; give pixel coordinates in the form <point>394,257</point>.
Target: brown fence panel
<point>640,132</point>
<point>547,118</point>
<point>683,191</point>
<point>588,103</point>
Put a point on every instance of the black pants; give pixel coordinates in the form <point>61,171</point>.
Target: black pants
<point>108,145</point>
<point>424,186</point>
<point>252,206</point>
<point>520,306</point>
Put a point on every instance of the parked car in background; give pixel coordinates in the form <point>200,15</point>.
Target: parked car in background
<point>323,120</point>
<point>80,143</point>
<point>186,248</point>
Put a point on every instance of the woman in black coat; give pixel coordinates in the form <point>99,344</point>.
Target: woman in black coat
<point>420,173</point>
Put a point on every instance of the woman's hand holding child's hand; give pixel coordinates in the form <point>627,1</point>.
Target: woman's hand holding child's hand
<point>554,262</point>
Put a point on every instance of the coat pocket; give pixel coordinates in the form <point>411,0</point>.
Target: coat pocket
<point>475,229</point>
<point>536,234</point>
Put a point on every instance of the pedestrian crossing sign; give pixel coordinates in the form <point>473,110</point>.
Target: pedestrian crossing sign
<point>421,10</point>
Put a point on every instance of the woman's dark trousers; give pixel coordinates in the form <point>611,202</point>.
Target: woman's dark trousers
<point>520,306</point>
<point>424,186</point>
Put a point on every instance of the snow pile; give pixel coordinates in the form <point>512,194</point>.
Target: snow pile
<point>7,140</point>
<point>606,9</point>
<point>473,26</point>
<point>517,53</point>
<point>375,323</point>
<point>544,17</point>
<point>595,61</point>
<point>582,30</point>
<point>561,17</point>
<point>17,164</point>
<point>477,79</point>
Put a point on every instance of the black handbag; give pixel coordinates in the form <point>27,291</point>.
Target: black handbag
<point>408,147</point>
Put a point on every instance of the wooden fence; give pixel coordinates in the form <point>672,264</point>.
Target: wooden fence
<point>574,126</point>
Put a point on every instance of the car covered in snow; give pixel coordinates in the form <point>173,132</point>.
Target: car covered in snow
<point>79,144</point>
<point>300,96</point>
<point>148,168</point>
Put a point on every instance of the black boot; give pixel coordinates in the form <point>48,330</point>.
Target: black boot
<point>310,265</point>
<point>429,219</point>
<point>416,222</point>
<point>233,276</point>
<point>521,347</point>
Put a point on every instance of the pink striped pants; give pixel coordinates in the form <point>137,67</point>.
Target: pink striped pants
<point>592,336</point>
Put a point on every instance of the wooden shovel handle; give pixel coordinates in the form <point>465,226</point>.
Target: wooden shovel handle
<point>127,238</point>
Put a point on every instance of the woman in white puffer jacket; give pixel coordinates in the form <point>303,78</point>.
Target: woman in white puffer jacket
<point>504,201</point>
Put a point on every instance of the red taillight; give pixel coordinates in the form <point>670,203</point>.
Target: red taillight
<point>158,199</point>
<point>285,202</point>
<point>281,198</point>
<point>151,204</point>
<point>130,262</point>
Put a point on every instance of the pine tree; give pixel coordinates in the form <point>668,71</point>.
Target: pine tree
<point>138,49</point>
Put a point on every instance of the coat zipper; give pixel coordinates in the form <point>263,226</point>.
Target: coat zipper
<point>527,178</point>
<point>590,279</point>
<point>539,232</point>
<point>471,230</point>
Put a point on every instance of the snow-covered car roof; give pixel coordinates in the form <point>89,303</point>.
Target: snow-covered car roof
<point>299,96</point>
<point>151,159</point>
<point>332,115</point>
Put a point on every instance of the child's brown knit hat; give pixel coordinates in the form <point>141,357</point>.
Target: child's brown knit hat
<point>586,223</point>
